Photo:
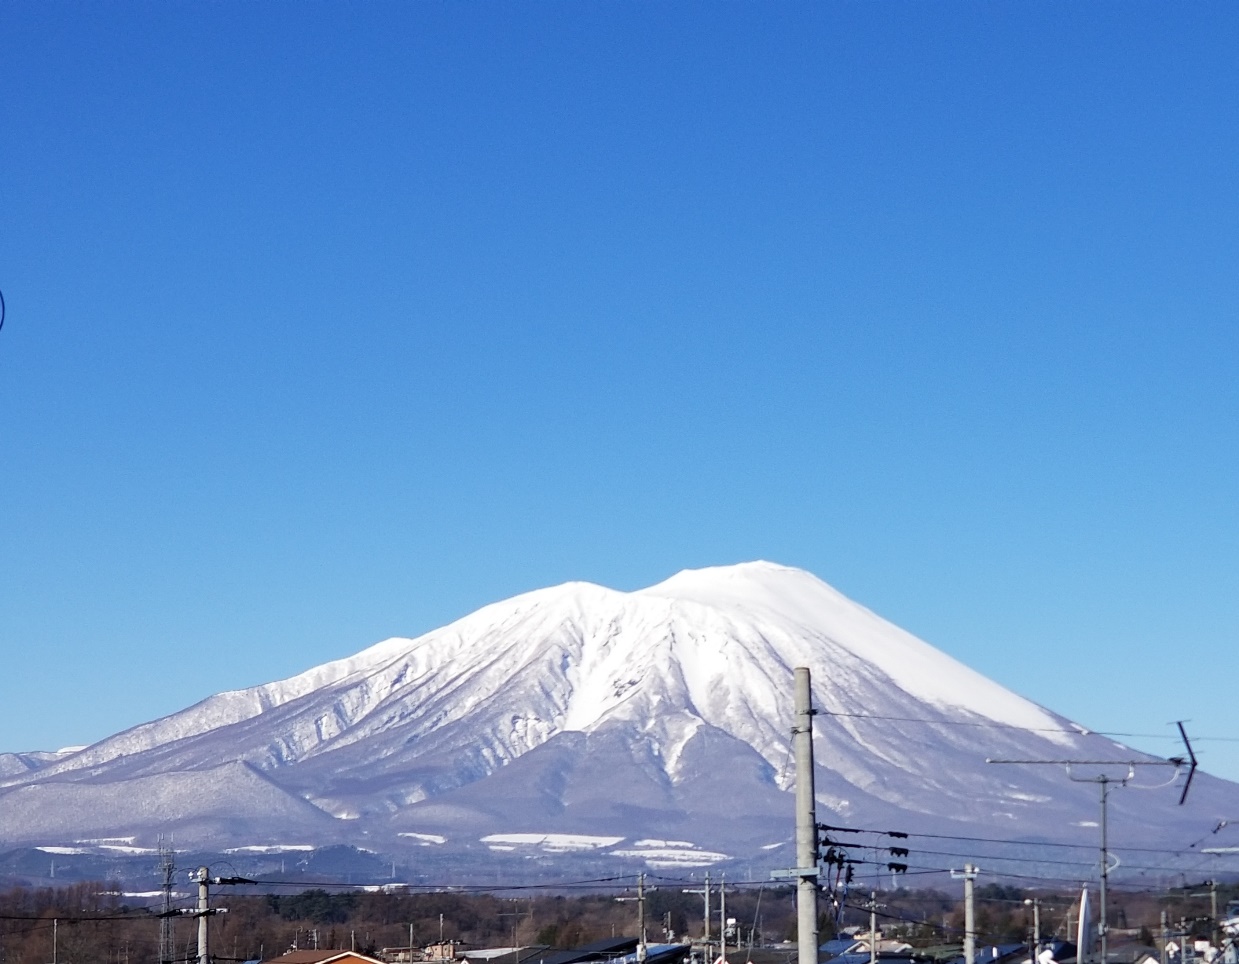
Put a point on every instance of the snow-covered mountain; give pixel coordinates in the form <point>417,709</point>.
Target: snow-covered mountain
<point>647,725</point>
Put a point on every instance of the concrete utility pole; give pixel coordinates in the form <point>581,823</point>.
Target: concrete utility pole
<point>806,823</point>
<point>705,892</point>
<point>1216,932</point>
<point>1103,926</point>
<point>873,928</point>
<point>970,926</point>
<point>204,910</point>
<point>641,951</point>
<point>722,918</point>
<point>1165,935</point>
<point>705,934</point>
<point>1036,936</point>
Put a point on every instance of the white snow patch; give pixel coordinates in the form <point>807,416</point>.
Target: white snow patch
<point>1087,823</point>
<point>771,846</point>
<point>269,848</point>
<point>668,857</point>
<point>425,839</point>
<point>551,842</point>
<point>63,850</point>
<point>650,842</point>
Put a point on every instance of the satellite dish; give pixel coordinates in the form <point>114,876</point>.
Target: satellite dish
<point>1084,933</point>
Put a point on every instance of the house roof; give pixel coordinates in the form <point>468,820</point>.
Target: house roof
<point>658,954</point>
<point>594,951</point>
<point>322,957</point>
<point>506,955</point>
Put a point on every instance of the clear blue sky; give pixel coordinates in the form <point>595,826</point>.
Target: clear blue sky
<point>330,322</point>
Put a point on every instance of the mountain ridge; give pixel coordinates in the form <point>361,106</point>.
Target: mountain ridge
<point>658,712</point>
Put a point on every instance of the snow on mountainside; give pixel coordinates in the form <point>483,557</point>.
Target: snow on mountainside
<point>584,711</point>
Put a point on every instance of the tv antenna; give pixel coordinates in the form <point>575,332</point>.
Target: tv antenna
<point>167,867</point>
<point>1104,780</point>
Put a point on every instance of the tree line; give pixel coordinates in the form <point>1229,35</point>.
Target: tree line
<point>89,923</point>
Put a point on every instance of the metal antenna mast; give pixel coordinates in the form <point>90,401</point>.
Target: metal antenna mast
<point>1104,780</point>
<point>167,939</point>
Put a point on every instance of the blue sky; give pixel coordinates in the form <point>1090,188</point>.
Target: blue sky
<point>330,322</point>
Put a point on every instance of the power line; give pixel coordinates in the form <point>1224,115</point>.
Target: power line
<point>441,887</point>
<point>995,725</point>
<point>1011,843</point>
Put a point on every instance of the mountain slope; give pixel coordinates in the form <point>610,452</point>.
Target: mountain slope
<point>581,710</point>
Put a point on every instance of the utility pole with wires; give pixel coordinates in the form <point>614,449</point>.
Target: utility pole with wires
<point>872,906</point>
<point>806,871</point>
<point>1214,925</point>
<point>968,876</point>
<point>641,947</point>
<point>1035,946</point>
<point>1103,780</point>
<point>1215,929</point>
<point>203,876</point>
<point>1103,926</point>
<point>640,899</point>
<point>705,892</point>
<point>204,909</point>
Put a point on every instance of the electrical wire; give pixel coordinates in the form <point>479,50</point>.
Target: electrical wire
<point>995,725</point>
<point>440,888</point>
<point>1010,843</point>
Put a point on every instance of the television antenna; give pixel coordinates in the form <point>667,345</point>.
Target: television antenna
<point>1104,780</point>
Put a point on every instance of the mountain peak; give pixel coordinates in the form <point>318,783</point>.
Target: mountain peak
<point>581,709</point>
<point>758,585</point>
